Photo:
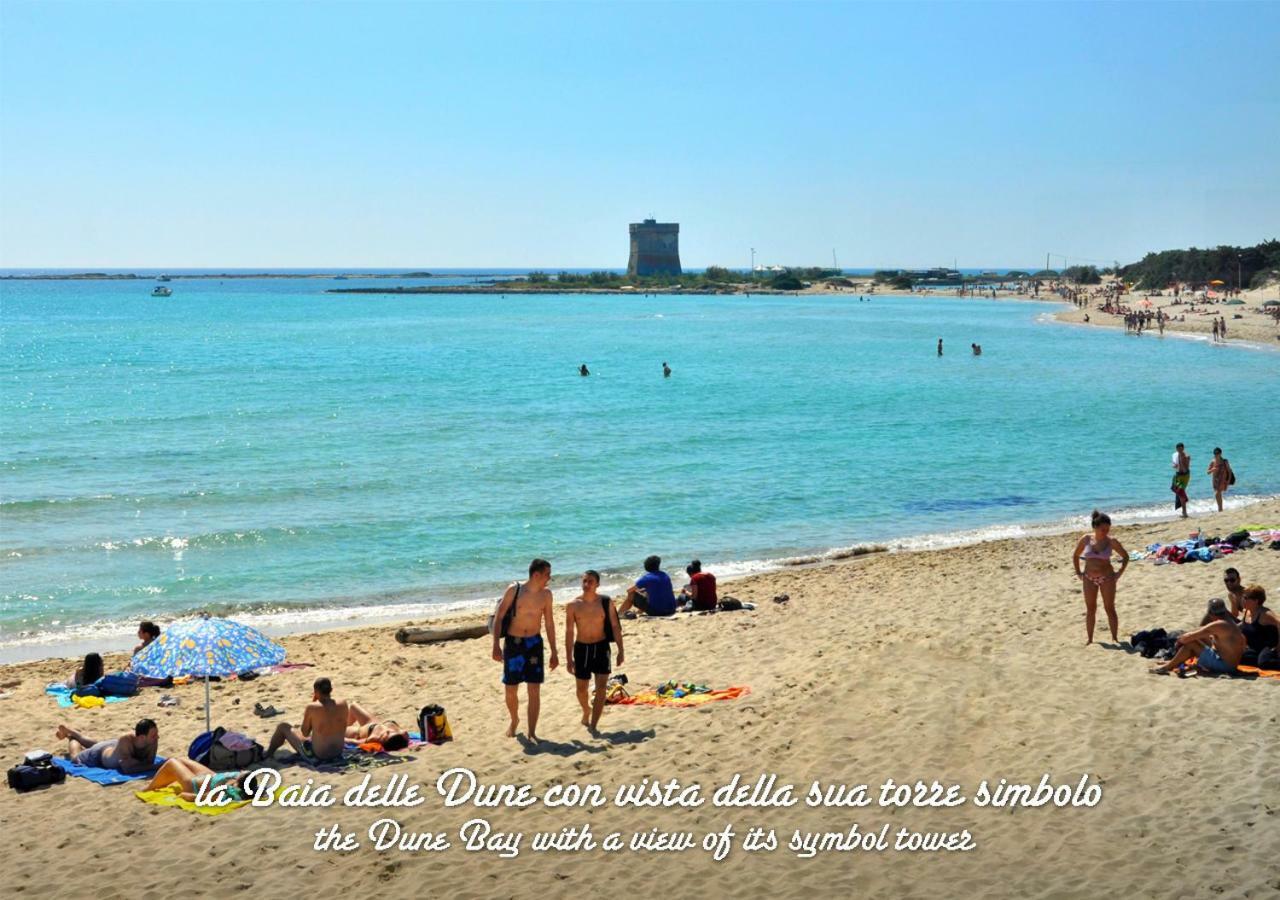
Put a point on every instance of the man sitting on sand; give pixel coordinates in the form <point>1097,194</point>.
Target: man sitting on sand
<point>590,624</point>
<point>362,728</point>
<point>652,593</point>
<point>324,726</point>
<point>128,754</point>
<point>1216,646</point>
<point>518,622</point>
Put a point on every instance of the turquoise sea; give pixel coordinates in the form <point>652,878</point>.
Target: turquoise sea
<point>299,457</point>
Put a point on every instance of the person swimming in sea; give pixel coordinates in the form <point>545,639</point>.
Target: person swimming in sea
<point>939,346</point>
<point>666,370</point>
<point>1098,576</point>
<point>583,370</point>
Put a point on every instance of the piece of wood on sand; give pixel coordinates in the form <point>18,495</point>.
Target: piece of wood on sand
<point>414,635</point>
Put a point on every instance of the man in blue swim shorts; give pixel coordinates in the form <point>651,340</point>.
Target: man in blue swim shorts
<point>1216,647</point>
<point>518,622</point>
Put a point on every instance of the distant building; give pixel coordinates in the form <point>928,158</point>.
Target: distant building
<point>655,248</point>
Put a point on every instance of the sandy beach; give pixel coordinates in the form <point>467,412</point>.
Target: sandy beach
<point>957,665</point>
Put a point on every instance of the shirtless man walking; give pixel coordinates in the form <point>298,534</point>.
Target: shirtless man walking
<point>518,624</point>
<point>324,726</point>
<point>590,625</point>
<point>1215,648</point>
<point>128,754</point>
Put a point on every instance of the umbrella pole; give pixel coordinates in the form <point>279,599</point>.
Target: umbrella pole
<point>207,726</point>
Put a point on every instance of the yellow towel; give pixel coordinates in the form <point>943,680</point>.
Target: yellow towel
<point>87,702</point>
<point>171,795</point>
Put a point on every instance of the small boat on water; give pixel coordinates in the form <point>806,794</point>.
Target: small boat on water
<point>163,278</point>
<point>162,291</point>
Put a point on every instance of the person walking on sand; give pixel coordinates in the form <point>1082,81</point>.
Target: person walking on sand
<point>518,622</point>
<point>590,624</point>
<point>1181,461</point>
<point>1221,475</point>
<point>1095,550</point>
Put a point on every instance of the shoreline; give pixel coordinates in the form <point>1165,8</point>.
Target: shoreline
<point>324,620</point>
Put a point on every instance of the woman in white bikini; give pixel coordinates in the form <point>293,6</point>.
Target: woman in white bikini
<point>1096,550</point>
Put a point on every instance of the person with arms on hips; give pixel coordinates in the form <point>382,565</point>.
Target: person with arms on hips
<point>1215,648</point>
<point>518,622</point>
<point>1181,478</point>
<point>323,730</point>
<point>590,625</point>
<point>652,593</point>
<point>1095,551</point>
<point>1220,474</point>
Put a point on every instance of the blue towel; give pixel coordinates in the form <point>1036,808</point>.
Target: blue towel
<point>104,776</point>
<point>62,694</point>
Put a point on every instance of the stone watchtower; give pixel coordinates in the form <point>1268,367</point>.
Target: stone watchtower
<point>655,248</point>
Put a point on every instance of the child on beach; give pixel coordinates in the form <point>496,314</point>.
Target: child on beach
<point>518,623</point>
<point>590,625</point>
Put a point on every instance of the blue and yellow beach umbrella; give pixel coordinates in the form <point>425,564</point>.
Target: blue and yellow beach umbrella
<point>207,648</point>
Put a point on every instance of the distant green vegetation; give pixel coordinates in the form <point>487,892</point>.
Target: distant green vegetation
<point>1247,266</point>
<point>715,278</point>
<point>1082,274</point>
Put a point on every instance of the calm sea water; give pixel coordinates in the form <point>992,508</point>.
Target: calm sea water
<point>264,447</point>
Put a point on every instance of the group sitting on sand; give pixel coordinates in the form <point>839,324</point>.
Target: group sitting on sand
<point>329,724</point>
<point>1226,636</point>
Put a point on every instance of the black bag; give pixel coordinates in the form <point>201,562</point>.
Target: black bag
<point>221,758</point>
<point>35,772</point>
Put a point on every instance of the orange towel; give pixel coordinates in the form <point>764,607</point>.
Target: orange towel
<point>1261,673</point>
<point>650,698</point>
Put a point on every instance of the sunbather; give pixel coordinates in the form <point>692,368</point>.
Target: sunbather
<point>128,754</point>
<point>188,775</point>
<point>1215,647</point>
<point>1261,627</point>
<point>362,728</point>
<point>323,730</point>
<point>88,672</point>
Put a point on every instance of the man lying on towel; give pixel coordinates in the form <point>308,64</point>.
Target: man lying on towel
<point>128,754</point>
<point>324,726</point>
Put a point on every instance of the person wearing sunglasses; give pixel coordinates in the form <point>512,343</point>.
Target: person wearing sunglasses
<point>1235,590</point>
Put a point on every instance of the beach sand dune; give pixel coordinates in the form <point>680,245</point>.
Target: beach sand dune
<point>958,665</point>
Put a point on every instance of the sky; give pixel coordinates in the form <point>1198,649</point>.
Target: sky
<point>255,134</point>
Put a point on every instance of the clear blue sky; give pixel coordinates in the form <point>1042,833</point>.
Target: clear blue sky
<point>263,134</point>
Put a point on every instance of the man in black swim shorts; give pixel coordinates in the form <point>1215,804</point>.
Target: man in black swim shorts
<point>591,624</point>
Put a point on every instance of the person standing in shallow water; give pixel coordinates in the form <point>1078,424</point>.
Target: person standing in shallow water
<point>1181,462</point>
<point>939,346</point>
<point>517,623</point>
<point>666,370</point>
<point>583,371</point>
<point>1095,551</point>
<point>1221,475</point>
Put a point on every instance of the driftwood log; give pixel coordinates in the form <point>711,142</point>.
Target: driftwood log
<point>410,635</point>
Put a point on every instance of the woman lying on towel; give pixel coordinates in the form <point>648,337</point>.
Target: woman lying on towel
<point>189,775</point>
<point>362,728</point>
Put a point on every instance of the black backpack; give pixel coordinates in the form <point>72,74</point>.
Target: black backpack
<point>221,758</point>
<point>34,772</point>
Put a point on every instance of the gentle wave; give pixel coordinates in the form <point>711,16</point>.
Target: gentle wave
<point>290,617</point>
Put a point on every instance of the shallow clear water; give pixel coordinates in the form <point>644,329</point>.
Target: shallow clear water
<point>263,445</point>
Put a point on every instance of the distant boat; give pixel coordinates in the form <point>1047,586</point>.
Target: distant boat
<point>163,278</point>
<point>339,277</point>
<point>162,291</point>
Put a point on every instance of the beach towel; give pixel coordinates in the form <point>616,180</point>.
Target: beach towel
<point>62,694</point>
<point>171,795</point>
<point>682,695</point>
<point>1261,673</point>
<point>104,777</point>
<point>353,759</point>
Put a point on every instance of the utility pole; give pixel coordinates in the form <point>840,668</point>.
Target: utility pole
<point>753,262</point>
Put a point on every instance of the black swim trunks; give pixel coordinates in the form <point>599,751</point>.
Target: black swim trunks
<point>590,659</point>
<point>522,660</point>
